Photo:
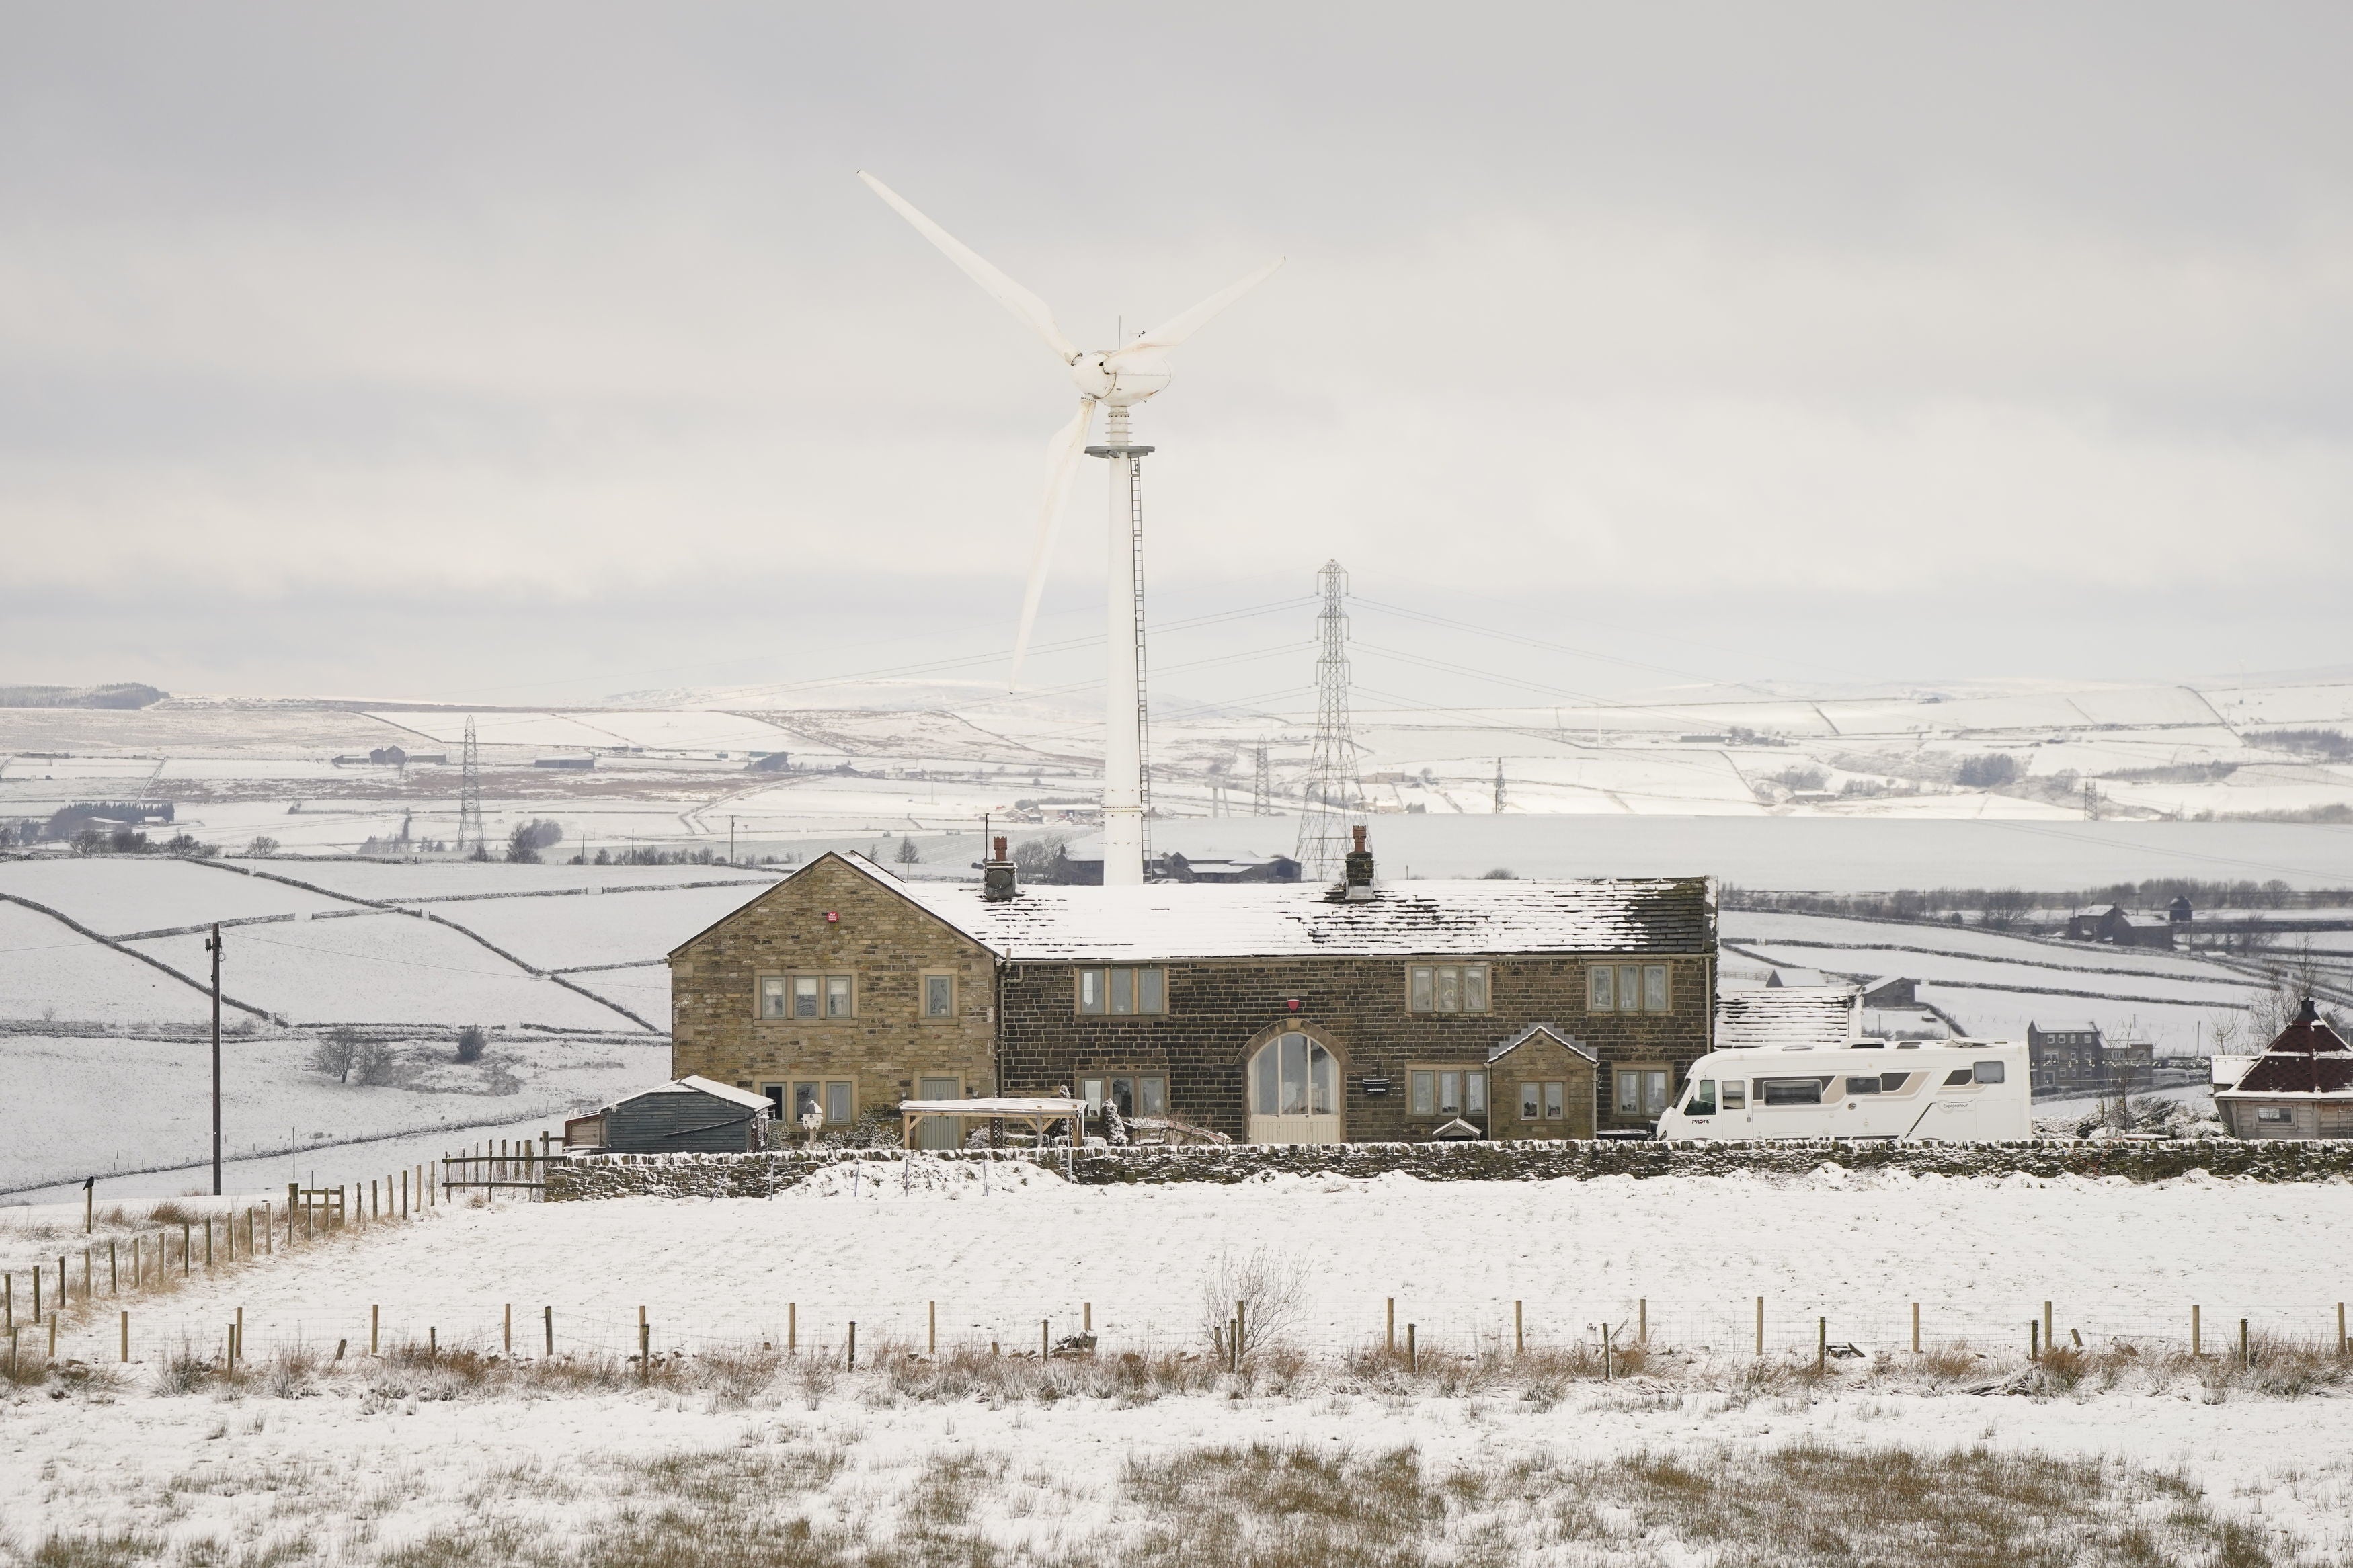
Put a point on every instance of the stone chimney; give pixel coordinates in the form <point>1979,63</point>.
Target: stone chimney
<point>998,880</point>
<point>1359,874</point>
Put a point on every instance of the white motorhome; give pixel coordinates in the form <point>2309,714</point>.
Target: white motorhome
<point>1956,1090</point>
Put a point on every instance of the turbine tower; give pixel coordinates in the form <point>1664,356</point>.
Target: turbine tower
<point>1118,379</point>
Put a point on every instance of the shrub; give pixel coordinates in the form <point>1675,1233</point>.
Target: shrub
<point>1989,771</point>
<point>529,838</point>
<point>376,1064</point>
<point>1268,1287</point>
<point>262,848</point>
<point>471,1041</point>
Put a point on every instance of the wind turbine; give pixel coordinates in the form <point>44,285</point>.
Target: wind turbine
<point>1116,379</point>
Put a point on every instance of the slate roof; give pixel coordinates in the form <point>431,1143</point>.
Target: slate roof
<point>2309,1057</point>
<point>1435,919</point>
<point>1787,1015</point>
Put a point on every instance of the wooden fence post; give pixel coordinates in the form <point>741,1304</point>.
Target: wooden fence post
<point>1760,1325</point>
<point>1916,1328</point>
<point>1241,1332</point>
<point>2050,1340</point>
<point>375,1323</point>
<point>1643,1320</point>
<point>114,1271</point>
<point>2341,1343</point>
<point>551,1329</point>
<point>126,1338</point>
<point>37,1293</point>
<point>1412,1352</point>
<point>2195,1348</point>
<point>1519,1331</point>
<point>792,1328</point>
<point>1045,1339</point>
<point>2034,1339</point>
<point>1606,1356</point>
<point>1086,1317</point>
<point>1821,1344</point>
<point>269,1230</point>
<point>932,1336</point>
<point>853,1345</point>
<point>507,1330</point>
<point>1389,1335</point>
<point>2246,1356</point>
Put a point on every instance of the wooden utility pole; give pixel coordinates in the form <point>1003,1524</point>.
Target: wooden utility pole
<point>213,946</point>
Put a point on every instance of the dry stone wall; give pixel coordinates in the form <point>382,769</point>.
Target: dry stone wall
<point>759,1175</point>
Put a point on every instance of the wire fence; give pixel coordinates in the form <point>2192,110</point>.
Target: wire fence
<point>1710,1327</point>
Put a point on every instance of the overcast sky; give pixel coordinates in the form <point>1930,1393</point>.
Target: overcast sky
<point>516,352</point>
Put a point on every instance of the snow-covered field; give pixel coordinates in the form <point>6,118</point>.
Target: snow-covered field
<point>1981,1255</point>
<point>359,1461</point>
<point>111,1104</point>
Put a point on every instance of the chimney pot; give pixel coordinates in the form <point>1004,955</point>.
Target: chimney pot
<point>1000,847</point>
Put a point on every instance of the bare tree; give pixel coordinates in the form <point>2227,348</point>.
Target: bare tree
<point>1270,1288</point>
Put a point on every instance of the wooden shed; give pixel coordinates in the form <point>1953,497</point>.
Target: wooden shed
<point>693,1115</point>
<point>2302,1086</point>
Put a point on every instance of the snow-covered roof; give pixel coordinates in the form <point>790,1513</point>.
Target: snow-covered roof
<point>1177,920</point>
<point>992,1106</point>
<point>1550,1031</point>
<point>2228,1070</point>
<point>691,1084</point>
<point>1787,1015</point>
<point>2309,1060</point>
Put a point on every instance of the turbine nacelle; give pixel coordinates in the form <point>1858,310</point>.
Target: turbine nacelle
<point>1120,379</point>
<point>1116,378</point>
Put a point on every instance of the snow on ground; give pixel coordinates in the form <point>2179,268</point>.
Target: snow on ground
<point>1754,927</point>
<point>385,968</point>
<point>49,970</point>
<point>396,881</point>
<point>1980,1254</point>
<point>352,1477</point>
<point>87,1106</point>
<point>119,895</point>
<point>607,928</point>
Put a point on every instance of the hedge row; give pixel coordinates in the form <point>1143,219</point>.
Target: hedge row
<point>757,1175</point>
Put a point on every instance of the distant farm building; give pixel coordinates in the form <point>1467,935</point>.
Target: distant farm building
<point>2118,927</point>
<point>2076,1057</point>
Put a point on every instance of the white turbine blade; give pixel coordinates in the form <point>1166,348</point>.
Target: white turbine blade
<point>1061,463</point>
<point>1176,329</point>
<point>1006,291</point>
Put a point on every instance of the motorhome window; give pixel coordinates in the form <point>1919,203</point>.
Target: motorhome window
<point>1862,1086</point>
<point>1892,1082</point>
<point>1703,1099</point>
<point>1735,1095</point>
<point>1957,1076</point>
<point>1789,1090</point>
<point>1907,1045</point>
<point>1990,1072</point>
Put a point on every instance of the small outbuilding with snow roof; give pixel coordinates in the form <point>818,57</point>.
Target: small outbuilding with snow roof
<point>2302,1086</point>
<point>1267,1012</point>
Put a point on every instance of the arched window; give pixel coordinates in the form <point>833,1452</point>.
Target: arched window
<point>1293,1076</point>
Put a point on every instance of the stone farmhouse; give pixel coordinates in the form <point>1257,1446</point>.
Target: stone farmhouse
<point>1267,1011</point>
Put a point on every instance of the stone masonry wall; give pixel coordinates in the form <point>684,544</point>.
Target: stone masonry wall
<point>757,1175</point>
<point>1219,1010</point>
<point>885,942</point>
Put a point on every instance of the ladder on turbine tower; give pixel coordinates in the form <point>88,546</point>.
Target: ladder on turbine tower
<point>1143,705</point>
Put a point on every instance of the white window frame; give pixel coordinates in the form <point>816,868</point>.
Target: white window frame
<point>788,987</point>
<point>1643,1079</point>
<point>1098,1087</point>
<point>790,1084</point>
<point>1426,1086</point>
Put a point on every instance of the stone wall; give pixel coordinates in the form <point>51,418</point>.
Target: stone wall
<point>884,941</point>
<point>757,1175</point>
<point>1220,1010</point>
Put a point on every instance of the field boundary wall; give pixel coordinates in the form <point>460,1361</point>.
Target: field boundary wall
<point>758,1175</point>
